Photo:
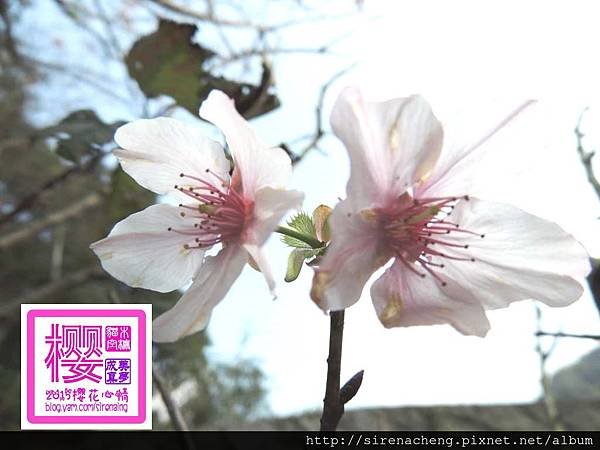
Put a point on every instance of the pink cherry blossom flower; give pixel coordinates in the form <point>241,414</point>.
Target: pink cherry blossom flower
<point>454,256</point>
<point>163,247</point>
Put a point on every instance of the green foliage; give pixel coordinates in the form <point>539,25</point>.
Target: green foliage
<point>220,392</point>
<point>80,134</point>
<point>125,196</point>
<point>223,392</point>
<point>167,62</point>
<point>304,224</point>
<point>295,262</point>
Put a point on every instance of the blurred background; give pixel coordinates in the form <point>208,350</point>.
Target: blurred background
<point>71,72</point>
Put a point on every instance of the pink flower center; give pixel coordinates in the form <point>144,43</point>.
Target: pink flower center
<point>416,231</point>
<point>220,213</point>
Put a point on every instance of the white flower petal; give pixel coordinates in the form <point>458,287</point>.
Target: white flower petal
<point>402,298</point>
<point>192,312</point>
<point>370,173</point>
<point>457,164</point>
<point>391,144</point>
<point>270,206</point>
<point>521,256</point>
<point>256,164</point>
<point>156,151</point>
<point>351,259</point>
<point>263,265</point>
<point>412,134</point>
<point>141,252</point>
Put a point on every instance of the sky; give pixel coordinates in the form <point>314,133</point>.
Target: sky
<point>473,63</point>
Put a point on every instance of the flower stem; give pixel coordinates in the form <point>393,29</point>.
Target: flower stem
<point>313,242</point>
<point>333,407</point>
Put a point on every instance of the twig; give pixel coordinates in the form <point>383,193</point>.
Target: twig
<point>32,198</point>
<point>333,408</point>
<point>81,74</point>
<point>319,132</point>
<point>47,290</point>
<point>211,18</point>
<point>175,415</point>
<point>108,26</point>
<point>9,42</point>
<point>548,398</point>
<point>35,226</point>
<point>586,156</point>
<point>259,52</point>
<point>177,420</point>
<point>74,11</point>
<point>569,335</point>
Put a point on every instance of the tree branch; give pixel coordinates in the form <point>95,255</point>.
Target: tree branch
<point>32,198</point>
<point>333,408</point>
<point>569,335</point>
<point>177,420</point>
<point>586,157</point>
<point>548,398</point>
<point>319,132</point>
<point>210,17</point>
<point>27,230</point>
<point>47,290</point>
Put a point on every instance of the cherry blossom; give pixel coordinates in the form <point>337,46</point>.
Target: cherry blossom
<point>164,247</point>
<point>452,255</point>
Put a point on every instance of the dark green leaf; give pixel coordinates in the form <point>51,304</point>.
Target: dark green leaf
<point>167,62</point>
<point>80,134</point>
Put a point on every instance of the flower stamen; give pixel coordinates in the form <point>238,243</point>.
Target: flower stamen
<point>411,227</point>
<point>223,212</point>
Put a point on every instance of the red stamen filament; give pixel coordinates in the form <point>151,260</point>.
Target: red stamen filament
<point>413,227</point>
<point>222,212</point>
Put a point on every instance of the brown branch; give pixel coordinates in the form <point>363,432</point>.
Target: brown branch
<point>32,198</point>
<point>81,74</point>
<point>175,415</point>
<point>27,230</point>
<point>549,401</point>
<point>569,335</point>
<point>224,60</point>
<point>586,156</point>
<point>319,132</point>
<point>211,18</point>
<point>333,408</point>
<point>8,39</point>
<point>75,12</point>
<point>108,26</point>
<point>46,291</point>
<point>177,419</point>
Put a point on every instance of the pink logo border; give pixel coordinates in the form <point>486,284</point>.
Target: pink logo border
<point>141,316</point>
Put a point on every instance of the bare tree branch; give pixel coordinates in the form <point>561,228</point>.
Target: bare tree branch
<point>333,408</point>
<point>260,52</point>
<point>548,398</point>
<point>35,226</point>
<point>177,419</point>
<point>210,17</point>
<point>319,132</point>
<point>46,291</point>
<point>32,198</point>
<point>586,156</point>
<point>71,11</point>
<point>569,335</point>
